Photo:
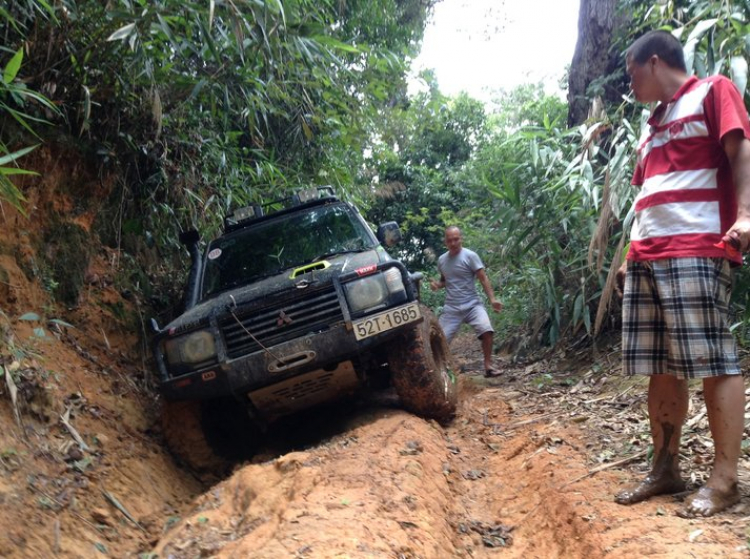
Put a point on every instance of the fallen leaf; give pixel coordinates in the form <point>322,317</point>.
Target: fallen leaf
<point>473,474</point>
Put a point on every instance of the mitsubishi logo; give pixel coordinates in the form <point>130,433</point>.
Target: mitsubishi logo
<point>283,319</point>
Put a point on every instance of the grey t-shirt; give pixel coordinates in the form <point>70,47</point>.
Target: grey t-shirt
<point>460,277</point>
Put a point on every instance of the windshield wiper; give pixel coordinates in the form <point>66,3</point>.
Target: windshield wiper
<point>337,252</point>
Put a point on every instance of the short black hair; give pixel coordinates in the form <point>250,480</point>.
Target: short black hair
<point>661,43</point>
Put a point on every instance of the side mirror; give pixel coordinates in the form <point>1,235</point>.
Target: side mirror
<point>389,233</point>
<point>189,237</point>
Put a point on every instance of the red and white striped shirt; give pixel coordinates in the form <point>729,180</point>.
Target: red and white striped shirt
<point>687,199</point>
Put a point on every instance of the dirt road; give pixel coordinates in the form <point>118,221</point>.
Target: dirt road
<point>514,475</point>
<point>524,470</point>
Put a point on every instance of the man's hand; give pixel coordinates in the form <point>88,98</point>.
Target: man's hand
<point>620,279</point>
<point>737,148</point>
<point>497,306</point>
<point>738,234</point>
<point>435,285</point>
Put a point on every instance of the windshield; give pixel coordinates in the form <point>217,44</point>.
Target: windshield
<point>274,246</point>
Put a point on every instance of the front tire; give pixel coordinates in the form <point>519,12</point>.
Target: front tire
<point>421,370</point>
<point>208,436</point>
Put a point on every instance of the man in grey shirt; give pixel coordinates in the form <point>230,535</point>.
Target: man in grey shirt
<point>459,269</point>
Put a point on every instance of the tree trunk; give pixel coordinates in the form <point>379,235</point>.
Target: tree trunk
<point>597,23</point>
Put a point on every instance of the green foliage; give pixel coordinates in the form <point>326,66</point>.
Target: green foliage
<point>15,96</point>
<point>526,192</point>
<point>527,105</point>
<point>234,100</point>
<point>420,149</point>
<point>714,34</point>
<point>203,106</point>
<point>546,184</point>
<point>8,191</point>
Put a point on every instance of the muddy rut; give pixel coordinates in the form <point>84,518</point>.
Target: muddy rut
<point>499,481</point>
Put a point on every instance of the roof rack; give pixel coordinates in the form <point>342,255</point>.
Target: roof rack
<point>241,217</point>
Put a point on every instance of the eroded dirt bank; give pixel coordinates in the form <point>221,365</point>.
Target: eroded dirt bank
<point>83,471</point>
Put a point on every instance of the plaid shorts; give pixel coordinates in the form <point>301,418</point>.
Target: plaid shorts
<point>675,319</point>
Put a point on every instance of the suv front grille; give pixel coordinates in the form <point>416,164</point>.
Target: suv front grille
<point>312,313</point>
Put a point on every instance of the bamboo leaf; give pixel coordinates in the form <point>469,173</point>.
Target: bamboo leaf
<point>738,69</point>
<point>61,323</point>
<point>308,132</point>
<point>329,41</point>
<point>11,69</point>
<point>694,38</point>
<point>8,171</point>
<point>122,33</point>
<point>11,194</point>
<point>164,26</point>
<point>587,319</point>
<point>281,11</point>
<point>17,154</point>
<point>578,308</point>
<point>197,89</point>
<point>29,316</point>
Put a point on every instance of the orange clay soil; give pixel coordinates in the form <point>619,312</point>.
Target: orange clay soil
<point>393,485</point>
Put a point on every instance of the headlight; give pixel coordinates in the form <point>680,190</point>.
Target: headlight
<point>193,348</point>
<point>366,293</point>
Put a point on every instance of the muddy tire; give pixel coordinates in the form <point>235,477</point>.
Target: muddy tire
<point>420,364</point>
<point>208,436</point>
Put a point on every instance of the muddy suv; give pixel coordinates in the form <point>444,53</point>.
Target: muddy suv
<point>289,309</point>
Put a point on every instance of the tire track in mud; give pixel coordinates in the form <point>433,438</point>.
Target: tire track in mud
<point>377,490</point>
<point>506,487</point>
<point>542,488</point>
<point>393,485</point>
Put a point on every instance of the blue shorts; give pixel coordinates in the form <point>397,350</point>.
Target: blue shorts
<point>675,319</point>
<point>474,315</point>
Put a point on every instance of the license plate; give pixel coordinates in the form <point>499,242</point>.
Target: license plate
<point>385,321</point>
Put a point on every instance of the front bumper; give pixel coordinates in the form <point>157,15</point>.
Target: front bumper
<point>315,351</point>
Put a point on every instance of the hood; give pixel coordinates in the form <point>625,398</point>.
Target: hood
<point>276,285</point>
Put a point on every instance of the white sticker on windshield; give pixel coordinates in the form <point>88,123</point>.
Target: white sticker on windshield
<point>214,254</point>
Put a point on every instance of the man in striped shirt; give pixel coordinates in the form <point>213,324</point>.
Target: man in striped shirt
<point>692,219</point>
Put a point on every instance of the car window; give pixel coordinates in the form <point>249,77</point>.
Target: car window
<point>277,245</point>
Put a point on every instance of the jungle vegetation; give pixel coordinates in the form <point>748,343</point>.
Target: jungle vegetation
<point>198,107</point>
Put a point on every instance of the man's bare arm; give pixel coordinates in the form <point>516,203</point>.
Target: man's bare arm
<point>439,284</point>
<point>737,148</point>
<point>485,281</point>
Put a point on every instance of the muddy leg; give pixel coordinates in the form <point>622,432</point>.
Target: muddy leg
<point>725,403</point>
<point>487,350</point>
<point>667,408</point>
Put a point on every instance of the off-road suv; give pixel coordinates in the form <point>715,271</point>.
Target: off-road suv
<point>289,309</point>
